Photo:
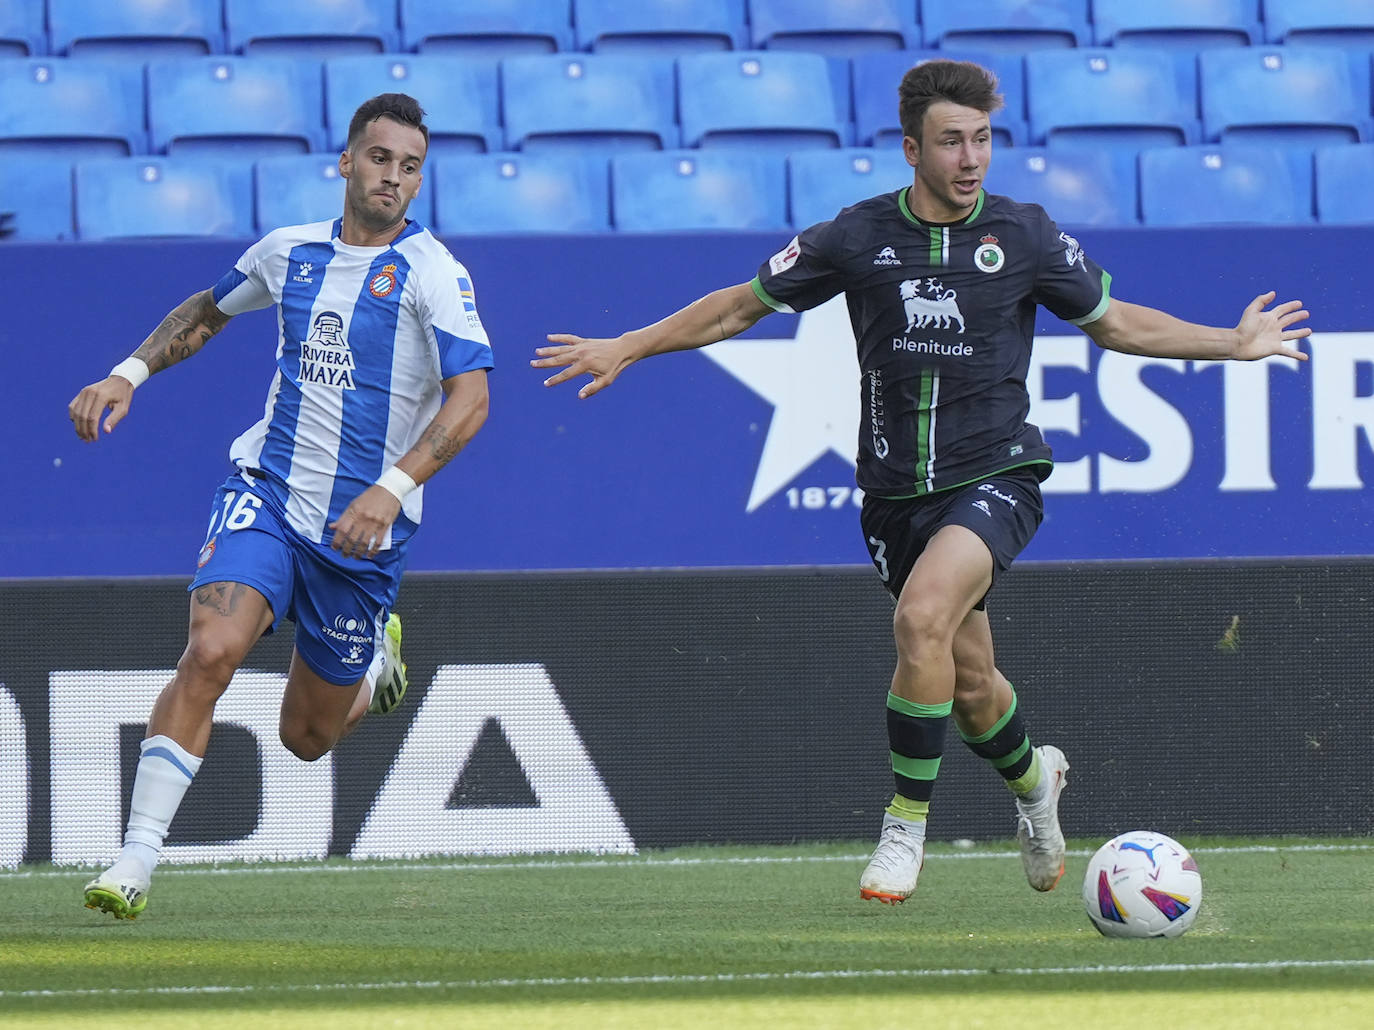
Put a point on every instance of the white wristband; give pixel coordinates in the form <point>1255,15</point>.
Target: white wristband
<point>133,369</point>
<point>396,483</point>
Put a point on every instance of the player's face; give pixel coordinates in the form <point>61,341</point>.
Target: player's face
<point>950,159</point>
<point>383,173</point>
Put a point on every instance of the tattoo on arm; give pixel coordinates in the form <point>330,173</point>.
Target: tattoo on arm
<point>222,597</point>
<point>438,444</point>
<point>184,331</point>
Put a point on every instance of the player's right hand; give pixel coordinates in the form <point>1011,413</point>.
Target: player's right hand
<point>580,356</point>
<point>87,407</point>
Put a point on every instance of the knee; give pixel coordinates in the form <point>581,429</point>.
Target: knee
<point>922,630</point>
<point>207,665</point>
<point>307,740</point>
<point>308,743</point>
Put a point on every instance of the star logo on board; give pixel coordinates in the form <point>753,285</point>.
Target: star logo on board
<point>812,381</point>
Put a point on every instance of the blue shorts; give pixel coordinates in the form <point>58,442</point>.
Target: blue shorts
<point>339,605</point>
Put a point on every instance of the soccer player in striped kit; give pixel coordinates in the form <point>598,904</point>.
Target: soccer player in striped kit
<point>942,281</point>
<point>380,380</point>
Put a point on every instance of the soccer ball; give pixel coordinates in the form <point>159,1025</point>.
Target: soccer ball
<point>1142,884</point>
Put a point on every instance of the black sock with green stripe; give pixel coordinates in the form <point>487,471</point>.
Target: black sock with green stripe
<point>916,737</point>
<point>1007,747</point>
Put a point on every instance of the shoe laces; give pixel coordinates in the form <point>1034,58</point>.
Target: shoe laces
<point>1027,815</point>
<point>896,847</point>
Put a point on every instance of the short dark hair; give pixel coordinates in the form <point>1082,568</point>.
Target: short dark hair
<point>958,82</point>
<point>396,106</point>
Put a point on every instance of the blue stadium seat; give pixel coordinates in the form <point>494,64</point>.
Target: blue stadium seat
<point>1343,176</point>
<point>877,76</point>
<point>664,27</point>
<point>458,94</point>
<point>21,29</point>
<point>318,29</point>
<point>698,189</point>
<point>1017,25</point>
<point>494,28</point>
<point>1191,24</point>
<point>68,108</point>
<point>756,98</point>
<point>1076,185</point>
<point>606,101</point>
<point>296,188</point>
<point>38,190</point>
<point>159,196</point>
<point>1342,22</point>
<point>508,192</point>
<point>822,182</point>
<point>1308,96</point>
<point>1132,97</point>
<point>240,107</point>
<point>837,27</point>
<point>1226,185</point>
<point>143,29</point>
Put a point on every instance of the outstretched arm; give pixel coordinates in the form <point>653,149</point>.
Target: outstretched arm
<point>360,531</point>
<point>1261,333</point>
<point>182,333</point>
<point>715,317</point>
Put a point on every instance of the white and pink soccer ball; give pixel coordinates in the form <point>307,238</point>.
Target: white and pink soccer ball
<point>1142,884</point>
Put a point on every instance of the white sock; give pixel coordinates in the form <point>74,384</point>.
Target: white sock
<point>165,770</point>
<point>374,669</point>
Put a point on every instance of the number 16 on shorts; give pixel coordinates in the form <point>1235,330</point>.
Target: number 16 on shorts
<point>237,510</point>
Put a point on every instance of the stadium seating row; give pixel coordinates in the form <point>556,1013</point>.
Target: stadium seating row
<point>507,27</point>
<point>711,190</point>
<point>255,106</point>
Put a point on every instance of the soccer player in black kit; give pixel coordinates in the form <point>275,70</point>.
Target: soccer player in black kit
<point>942,282</point>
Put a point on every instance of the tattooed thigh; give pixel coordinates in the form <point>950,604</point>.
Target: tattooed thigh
<point>221,598</point>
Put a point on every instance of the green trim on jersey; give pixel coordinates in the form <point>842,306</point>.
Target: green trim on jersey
<point>921,490</point>
<point>939,234</point>
<point>939,246</point>
<point>906,210</point>
<point>1101,309</point>
<point>763,295</point>
<point>926,397</point>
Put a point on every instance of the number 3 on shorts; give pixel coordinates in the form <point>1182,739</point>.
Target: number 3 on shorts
<point>879,556</point>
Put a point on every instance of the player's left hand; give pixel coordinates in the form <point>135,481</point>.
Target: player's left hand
<point>603,360</point>
<point>361,530</point>
<point>114,393</point>
<point>1262,333</point>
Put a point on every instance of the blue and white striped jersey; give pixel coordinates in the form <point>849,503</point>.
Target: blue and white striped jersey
<point>366,335</point>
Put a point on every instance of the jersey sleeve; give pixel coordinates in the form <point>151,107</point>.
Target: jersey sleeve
<point>1069,283</point>
<point>804,274</point>
<point>448,310</point>
<point>244,287</point>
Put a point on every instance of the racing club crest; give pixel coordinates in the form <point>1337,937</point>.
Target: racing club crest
<point>989,256</point>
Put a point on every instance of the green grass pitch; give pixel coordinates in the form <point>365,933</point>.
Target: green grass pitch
<point>700,937</point>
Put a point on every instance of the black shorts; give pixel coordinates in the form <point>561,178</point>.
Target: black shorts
<point>1004,510</point>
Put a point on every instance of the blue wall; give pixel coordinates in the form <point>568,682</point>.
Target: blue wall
<point>1157,460</point>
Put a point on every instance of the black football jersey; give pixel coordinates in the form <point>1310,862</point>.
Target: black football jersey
<point>944,316</point>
